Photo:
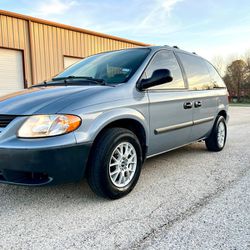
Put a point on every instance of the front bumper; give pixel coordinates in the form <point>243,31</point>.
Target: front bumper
<point>36,167</point>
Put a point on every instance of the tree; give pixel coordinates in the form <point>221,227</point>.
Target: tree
<point>236,76</point>
<point>230,84</point>
<point>247,59</point>
<point>219,64</point>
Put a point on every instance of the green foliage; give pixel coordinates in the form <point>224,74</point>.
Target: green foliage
<point>237,79</point>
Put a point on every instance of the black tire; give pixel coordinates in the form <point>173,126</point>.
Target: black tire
<point>212,142</point>
<point>98,168</point>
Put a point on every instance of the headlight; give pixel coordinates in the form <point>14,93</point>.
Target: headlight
<point>48,125</point>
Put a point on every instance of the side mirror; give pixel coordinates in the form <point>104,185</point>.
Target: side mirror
<point>158,77</point>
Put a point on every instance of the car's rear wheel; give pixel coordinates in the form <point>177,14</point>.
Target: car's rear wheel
<point>115,163</point>
<point>217,139</point>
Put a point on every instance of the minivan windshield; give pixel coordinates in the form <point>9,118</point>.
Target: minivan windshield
<point>111,67</point>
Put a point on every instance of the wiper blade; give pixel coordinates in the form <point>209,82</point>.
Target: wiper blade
<point>218,87</point>
<point>86,78</point>
<point>69,80</point>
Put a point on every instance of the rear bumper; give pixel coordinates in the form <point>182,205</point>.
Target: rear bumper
<point>37,167</point>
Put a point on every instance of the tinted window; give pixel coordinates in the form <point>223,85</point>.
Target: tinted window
<point>216,80</point>
<point>112,67</point>
<point>196,71</point>
<point>166,60</point>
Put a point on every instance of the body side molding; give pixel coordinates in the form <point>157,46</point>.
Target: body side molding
<point>182,125</point>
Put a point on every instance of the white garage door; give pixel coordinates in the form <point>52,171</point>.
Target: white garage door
<point>11,71</point>
<point>68,60</point>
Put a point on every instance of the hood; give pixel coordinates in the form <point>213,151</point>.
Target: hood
<point>37,100</point>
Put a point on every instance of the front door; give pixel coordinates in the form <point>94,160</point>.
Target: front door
<point>170,106</point>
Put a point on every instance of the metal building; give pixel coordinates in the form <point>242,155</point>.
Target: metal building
<point>33,50</point>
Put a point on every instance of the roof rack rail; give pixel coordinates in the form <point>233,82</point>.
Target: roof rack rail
<point>176,47</point>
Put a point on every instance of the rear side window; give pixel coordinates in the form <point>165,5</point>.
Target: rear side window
<point>196,71</point>
<point>216,80</point>
<point>166,60</point>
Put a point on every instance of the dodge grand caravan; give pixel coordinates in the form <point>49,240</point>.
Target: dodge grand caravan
<point>103,116</point>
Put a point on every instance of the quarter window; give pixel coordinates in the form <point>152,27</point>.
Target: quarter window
<point>216,80</point>
<point>196,71</point>
<point>166,60</point>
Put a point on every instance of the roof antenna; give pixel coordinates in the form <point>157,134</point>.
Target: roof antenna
<point>176,47</point>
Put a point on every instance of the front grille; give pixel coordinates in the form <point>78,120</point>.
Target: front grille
<point>5,120</point>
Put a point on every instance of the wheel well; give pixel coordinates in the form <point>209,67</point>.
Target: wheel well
<point>223,113</point>
<point>134,126</point>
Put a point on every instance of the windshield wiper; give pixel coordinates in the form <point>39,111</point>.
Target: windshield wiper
<point>84,78</point>
<point>69,80</point>
<point>218,87</point>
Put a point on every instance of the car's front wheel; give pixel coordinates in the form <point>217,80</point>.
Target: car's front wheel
<point>115,163</point>
<point>217,139</point>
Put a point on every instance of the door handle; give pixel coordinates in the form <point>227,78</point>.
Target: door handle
<point>187,105</point>
<point>197,104</point>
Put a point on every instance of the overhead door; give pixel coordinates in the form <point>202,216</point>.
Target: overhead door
<point>68,61</point>
<point>11,71</point>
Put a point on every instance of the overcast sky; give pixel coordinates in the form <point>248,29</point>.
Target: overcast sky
<point>208,27</point>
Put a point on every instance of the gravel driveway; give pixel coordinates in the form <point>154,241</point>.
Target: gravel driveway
<point>185,199</point>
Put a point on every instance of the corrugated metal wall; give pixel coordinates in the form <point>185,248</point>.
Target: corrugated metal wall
<point>44,45</point>
<point>14,35</point>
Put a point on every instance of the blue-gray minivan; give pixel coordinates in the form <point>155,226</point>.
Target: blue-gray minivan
<point>105,115</point>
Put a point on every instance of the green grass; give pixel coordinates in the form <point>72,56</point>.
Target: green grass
<point>239,104</point>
